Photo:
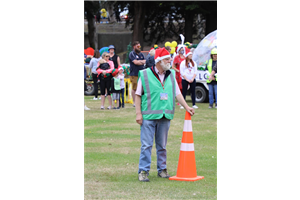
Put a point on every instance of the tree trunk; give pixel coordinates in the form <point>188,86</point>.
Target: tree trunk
<point>211,24</point>
<point>188,26</point>
<point>139,18</point>
<point>111,13</point>
<point>92,30</point>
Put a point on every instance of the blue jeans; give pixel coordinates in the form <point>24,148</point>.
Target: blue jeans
<point>150,129</point>
<point>211,92</point>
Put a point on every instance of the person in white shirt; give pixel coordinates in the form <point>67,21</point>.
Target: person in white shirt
<point>188,72</point>
<point>93,66</point>
<point>122,85</point>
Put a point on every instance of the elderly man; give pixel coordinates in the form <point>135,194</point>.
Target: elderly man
<point>155,107</point>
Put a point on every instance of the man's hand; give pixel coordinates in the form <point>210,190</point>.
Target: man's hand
<point>212,75</point>
<point>184,104</point>
<point>211,78</point>
<point>190,110</point>
<point>139,118</point>
<point>139,62</point>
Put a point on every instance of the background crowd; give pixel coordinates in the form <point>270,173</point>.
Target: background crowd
<point>107,72</point>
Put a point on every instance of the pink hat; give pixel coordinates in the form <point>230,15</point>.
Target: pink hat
<point>161,54</point>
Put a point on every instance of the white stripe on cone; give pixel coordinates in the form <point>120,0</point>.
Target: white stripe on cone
<point>187,147</point>
<point>187,126</point>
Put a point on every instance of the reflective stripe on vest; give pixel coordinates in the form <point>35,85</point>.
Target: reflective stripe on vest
<point>148,110</point>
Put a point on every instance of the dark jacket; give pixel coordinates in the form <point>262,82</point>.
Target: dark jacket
<point>104,66</point>
<point>134,69</point>
<point>150,61</point>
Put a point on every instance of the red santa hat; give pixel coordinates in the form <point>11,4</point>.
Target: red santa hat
<point>120,68</point>
<point>161,54</point>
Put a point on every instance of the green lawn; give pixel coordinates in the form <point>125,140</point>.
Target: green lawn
<point>112,148</point>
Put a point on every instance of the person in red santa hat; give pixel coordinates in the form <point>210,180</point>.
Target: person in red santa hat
<point>181,51</point>
<point>155,108</point>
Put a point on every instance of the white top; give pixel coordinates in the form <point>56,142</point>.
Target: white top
<point>189,71</point>
<point>94,64</point>
<point>122,84</point>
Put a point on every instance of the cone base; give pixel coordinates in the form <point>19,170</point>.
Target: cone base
<point>186,179</point>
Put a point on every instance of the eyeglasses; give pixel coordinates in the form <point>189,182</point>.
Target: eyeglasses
<point>106,56</point>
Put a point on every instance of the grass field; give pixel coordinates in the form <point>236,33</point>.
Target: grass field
<point>112,148</point>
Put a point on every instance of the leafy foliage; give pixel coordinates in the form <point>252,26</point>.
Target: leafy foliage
<point>167,19</point>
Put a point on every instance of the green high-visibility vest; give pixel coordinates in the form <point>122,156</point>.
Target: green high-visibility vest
<point>117,84</point>
<point>152,106</point>
<point>209,68</point>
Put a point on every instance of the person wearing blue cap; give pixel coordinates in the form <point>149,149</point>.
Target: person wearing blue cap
<point>113,56</point>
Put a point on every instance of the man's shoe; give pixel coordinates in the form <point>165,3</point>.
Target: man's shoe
<point>215,105</point>
<point>95,98</point>
<point>210,106</point>
<point>86,108</point>
<point>194,106</point>
<point>163,174</point>
<point>143,176</point>
<point>181,107</point>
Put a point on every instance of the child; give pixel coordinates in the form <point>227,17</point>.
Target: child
<point>115,90</point>
<point>101,61</point>
<point>122,86</point>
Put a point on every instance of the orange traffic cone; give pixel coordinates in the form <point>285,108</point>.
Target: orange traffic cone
<point>186,170</point>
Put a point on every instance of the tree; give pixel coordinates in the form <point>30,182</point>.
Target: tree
<point>153,21</point>
<point>136,14</point>
<point>90,9</point>
<point>109,6</point>
<point>138,25</point>
<point>191,11</point>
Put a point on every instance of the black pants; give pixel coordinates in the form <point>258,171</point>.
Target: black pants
<point>192,87</point>
<point>105,84</point>
<point>121,97</point>
<point>95,79</point>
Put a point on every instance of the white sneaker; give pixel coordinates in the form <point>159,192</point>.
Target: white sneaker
<point>194,106</point>
<point>86,108</point>
<point>95,98</point>
<point>181,107</point>
<point>99,98</point>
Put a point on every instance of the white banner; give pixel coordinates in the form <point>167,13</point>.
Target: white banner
<point>202,75</point>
